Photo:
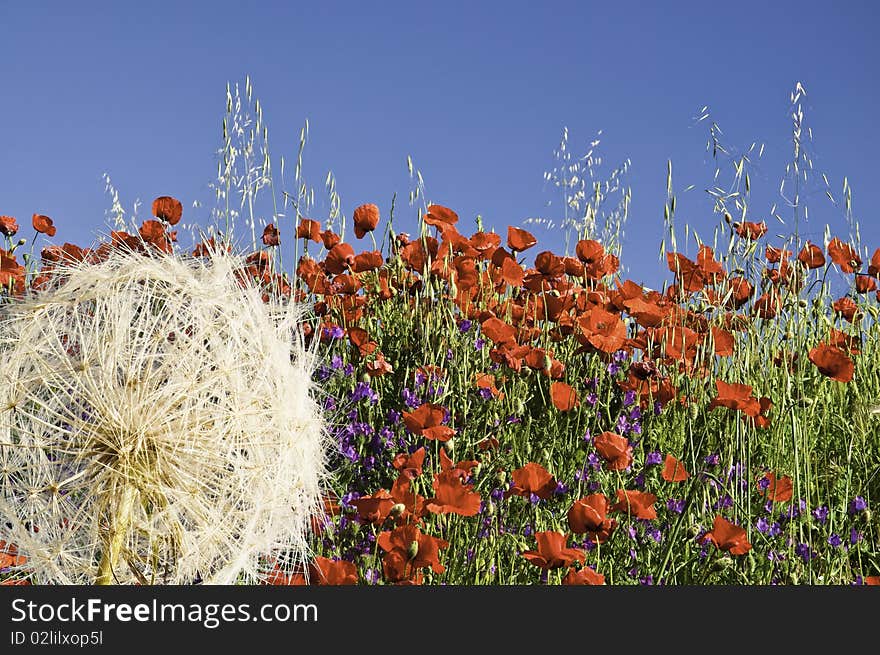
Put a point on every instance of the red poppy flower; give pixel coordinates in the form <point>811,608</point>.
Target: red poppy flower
<point>779,490</point>
<point>462,469</point>
<point>330,239</point>
<point>69,253</point>
<point>309,229</point>
<point>531,479</point>
<point>872,580</point>
<point>366,218</point>
<point>851,343</point>
<point>874,266</point>
<point>410,464</point>
<point>439,215</point>
<point>10,270</point>
<point>637,504</point>
<point>775,255</point>
<point>270,235</point>
<point>8,226</point>
<point>584,576</point>
<point>367,261</point>
<point>673,470</point>
<point>43,225</point>
<point>846,308</point>
<point>728,537</point>
<point>510,272</point>
<point>737,397</point>
<point>360,339</point>
<point>832,362</point>
<point>589,516</point>
<point>427,421</point>
<point>564,397</point>
<point>326,571</point>
<point>597,263</point>
<point>552,552</point>
<point>519,240</point>
<point>723,341</point>
<point>844,255</point>
<point>339,258</point>
<point>865,284</point>
<point>749,230</point>
<point>451,496</point>
<point>374,508</point>
<point>168,209</point>
<point>409,550</point>
<point>498,331</point>
<point>487,381</point>
<point>615,450</point>
<point>768,305</point>
<point>413,503</point>
<point>603,330</point>
<point>811,256</point>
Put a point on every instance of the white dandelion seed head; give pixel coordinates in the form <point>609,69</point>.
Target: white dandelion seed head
<point>155,408</point>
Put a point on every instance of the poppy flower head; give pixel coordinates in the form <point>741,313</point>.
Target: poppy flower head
<point>615,449</point>
<point>727,536</point>
<point>168,209</point>
<point>584,576</point>
<point>43,225</point>
<point>844,255</point>
<point>832,362</point>
<point>673,470</point>
<point>519,239</point>
<point>777,490</point>
<point>564,397</point>
<point>637,504</point>
<point>271,235</point>
<point>811,256</point>
<point>589,516</point>
<point>366,218</point>
<point>309,229</point>
<point>8,226</point>
<point>749,230</point>
<point>531,479</point>
<point>326,571</point>
<point>410,464</point>
<point>552,552</point>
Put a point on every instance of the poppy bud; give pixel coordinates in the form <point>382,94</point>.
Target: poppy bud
<point>694,531</point>
<point>21,242</point>
<point>722,563</point>
<point>475,471</point>
<point>413,550</point>
<point>450,444</point>
<point>396,510</point>
<point>548,363</point>
<point>365,378</point>
<point>491,509</point>
<point>694,410</point>
<point>501,477</point>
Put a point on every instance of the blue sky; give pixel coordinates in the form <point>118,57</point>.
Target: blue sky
<point>477,94</point>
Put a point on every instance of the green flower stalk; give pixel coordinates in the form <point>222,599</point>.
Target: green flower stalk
<point>157,425</point>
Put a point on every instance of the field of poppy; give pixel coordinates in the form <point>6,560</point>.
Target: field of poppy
<point>503,414</point>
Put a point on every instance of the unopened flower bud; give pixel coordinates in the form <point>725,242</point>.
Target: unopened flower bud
<point>413,550</point>
<point>396,510</point>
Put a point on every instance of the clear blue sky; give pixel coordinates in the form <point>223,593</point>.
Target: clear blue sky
<point>477,93</point>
